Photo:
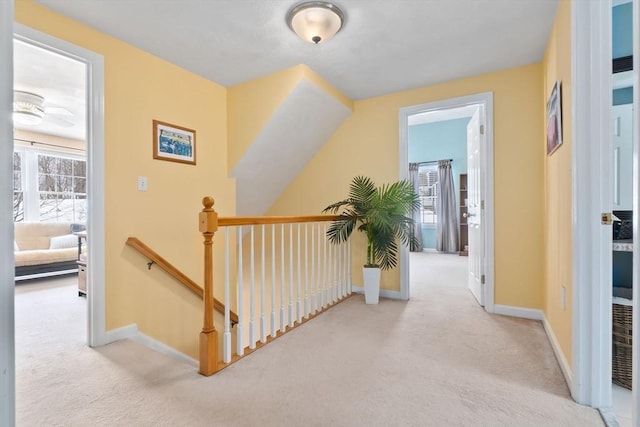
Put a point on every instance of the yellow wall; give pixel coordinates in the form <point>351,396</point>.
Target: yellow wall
<point>250,105</point>
<point>367,143</point>
<point>558,196</point>
<point>139,88</point>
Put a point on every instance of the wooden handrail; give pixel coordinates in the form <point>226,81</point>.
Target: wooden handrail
<point>257,220</point>
<point>153,256</point>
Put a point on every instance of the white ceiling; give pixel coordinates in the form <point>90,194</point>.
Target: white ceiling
<point>385,46</point>
<point>62,83</point>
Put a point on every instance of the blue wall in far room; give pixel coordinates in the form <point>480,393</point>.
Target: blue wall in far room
<point>623,96</point>
<point>437,141</point>
<point>622,27</point>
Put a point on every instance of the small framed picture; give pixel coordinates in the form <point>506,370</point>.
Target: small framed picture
<point>174,143</point>
<point>554,119</point>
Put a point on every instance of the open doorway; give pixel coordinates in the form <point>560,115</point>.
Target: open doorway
<point>452,130</point>
<point>50,193</point>
<point>92,133</point>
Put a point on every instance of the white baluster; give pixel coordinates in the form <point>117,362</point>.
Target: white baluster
<point>252,293</point>
<point>318,268</point>
<point>336,266</point>
<point>298,298</point>
<point>306,269</point>
<point>291,275</point>
<point>349,284</point>
<point>263,326</point>
<point>338,272</point>
<point>226,358</point>
<point>344,270</point>
<point>273,280</point>
<point>330,276</point>
<point>282,312</point>
<point>312,308</point>
<point>339,281</point>
<point>240,325</point>
<point>325,275</point>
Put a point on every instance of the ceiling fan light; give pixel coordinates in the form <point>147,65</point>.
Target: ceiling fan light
<point>26,118</point>
<point>27,108</point>
<point>315,21</point>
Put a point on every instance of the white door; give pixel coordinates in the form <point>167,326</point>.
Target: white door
<point>474,211</point>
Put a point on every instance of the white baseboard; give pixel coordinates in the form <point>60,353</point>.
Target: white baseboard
<point>132,333</point>
<point>530,313</point>
<point>525,313</point>
<point>562,361</point>
<point>163,348</point>
<point>123,333</point>
<point>609,417</point>
<point>384,293</point>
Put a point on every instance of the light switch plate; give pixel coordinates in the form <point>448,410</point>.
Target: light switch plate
<point>142,183</point>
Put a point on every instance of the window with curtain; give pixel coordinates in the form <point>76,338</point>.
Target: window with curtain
<point>428,181</point>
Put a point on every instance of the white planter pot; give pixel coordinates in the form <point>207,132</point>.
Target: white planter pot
<point>371,284</point>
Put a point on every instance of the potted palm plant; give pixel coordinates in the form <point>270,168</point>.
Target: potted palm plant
<point>384,214</point>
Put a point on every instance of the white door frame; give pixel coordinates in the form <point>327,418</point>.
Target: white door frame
<point>635,399</point>
<point>7,263</point>
<point>592,185</point>
<point>96,325</point>
<point>591,188</point>
<point>485,99</point>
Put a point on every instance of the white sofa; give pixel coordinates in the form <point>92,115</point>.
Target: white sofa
<point>45,248</point>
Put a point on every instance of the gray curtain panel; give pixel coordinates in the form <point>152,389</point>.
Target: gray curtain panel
<point>446,218</point>
<point>417,221</point>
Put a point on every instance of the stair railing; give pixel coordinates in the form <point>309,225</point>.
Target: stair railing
<point>299,275</point>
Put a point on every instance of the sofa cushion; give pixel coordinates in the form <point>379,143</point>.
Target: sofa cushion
<point>64,241</point>
<point>16,248</point>
<point>45,256</point>
<point>36,235</point>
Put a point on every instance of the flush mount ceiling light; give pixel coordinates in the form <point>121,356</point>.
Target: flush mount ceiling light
<point>315,21</point>
<point>27,108</point>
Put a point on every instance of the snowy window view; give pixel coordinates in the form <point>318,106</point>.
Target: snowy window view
<point>18,195</point>
<point>428,182</point>
<point>58,192</point>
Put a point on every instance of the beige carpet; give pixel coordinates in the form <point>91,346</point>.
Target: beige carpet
<point>438,360</point>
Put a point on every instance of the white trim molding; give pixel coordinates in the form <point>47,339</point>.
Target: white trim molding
<point>131,332</point>
<point>536,314</point>
<point>164,349</point>
<point>525,313</point>
<point>555,345</point>
<point>96,324</point>
<point>485,101</point>
<point>123,333</point>
<point>7,263</point>
<point>591,196</point>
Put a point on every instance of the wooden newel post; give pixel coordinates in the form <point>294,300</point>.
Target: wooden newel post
<point>209,335</point>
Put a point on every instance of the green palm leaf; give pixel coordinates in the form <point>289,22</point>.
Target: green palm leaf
<point>383,213</point>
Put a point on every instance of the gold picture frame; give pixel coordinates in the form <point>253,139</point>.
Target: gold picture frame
<point>174,143</point>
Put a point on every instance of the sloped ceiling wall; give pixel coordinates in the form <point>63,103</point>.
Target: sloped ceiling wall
<point>295,132</point>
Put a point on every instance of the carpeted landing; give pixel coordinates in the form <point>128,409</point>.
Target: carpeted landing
<point>438,360</point>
